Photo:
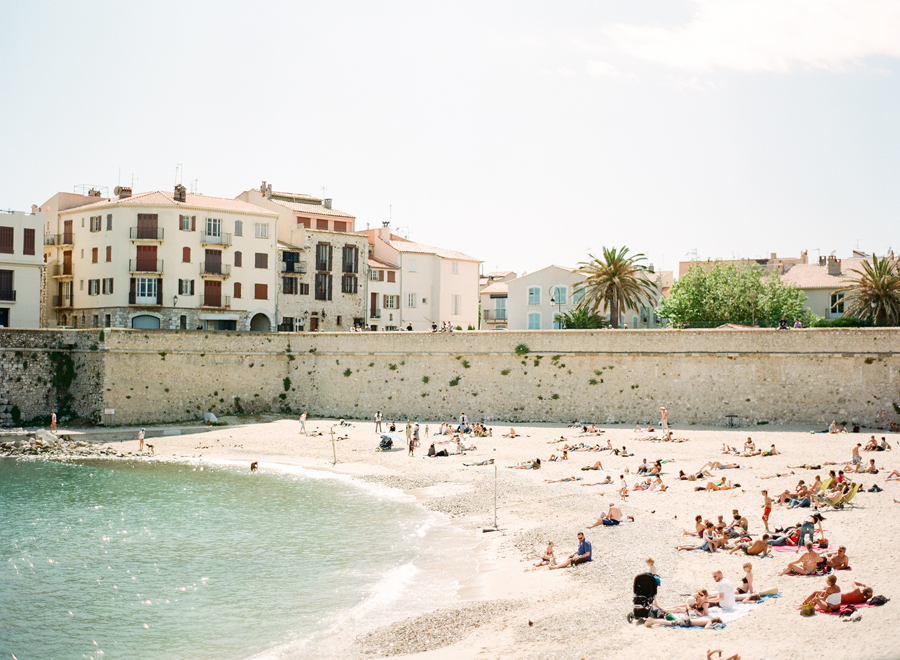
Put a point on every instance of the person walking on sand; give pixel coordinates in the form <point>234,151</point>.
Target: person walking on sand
<point>767,508</point>
<point>52,421</point>
<point>141,439</point>
<point>664,418</point>
<point>623,487</point>
<point>378,420</point>
<point>303,423</point>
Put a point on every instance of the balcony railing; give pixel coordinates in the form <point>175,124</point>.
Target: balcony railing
<point>494,314</point>
<point>59,239</point>
<point>145,266</point>
<point>219,302</point>
<point>62,301</point>
<point>146,233</point>
<point>222,239</point>
<point>213,269</point>
<point>7,295</point>
<point>61,270</point>
<point>374,313</point>
<point>293,267</point>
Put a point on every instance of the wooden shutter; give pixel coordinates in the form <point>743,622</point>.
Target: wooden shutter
<point>109,221</point>
<point>159,291</point>
<point>238,259</point>
<point>192,287</point>
<point>109,252</point>
<point>237,289</point>
<point>261,292</point>
<point>132,293</point>
<point>6,240</point>
<point>28,247</point>
<point>193,223</point>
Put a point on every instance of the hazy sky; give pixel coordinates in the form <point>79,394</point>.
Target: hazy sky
<point>521,133</point>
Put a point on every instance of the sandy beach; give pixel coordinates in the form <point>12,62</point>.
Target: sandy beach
<point>514,610</point>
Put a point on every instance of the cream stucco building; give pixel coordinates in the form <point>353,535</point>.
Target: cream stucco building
<point>21,269</point>
<point>161,260</point>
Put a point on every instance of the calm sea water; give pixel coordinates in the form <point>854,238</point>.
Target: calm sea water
<point>158,560</point>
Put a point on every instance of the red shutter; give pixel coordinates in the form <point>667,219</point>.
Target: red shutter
<point>193,223</point>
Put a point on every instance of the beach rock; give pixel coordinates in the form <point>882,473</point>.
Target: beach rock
<point>46,436</point>
<point>209,417</point>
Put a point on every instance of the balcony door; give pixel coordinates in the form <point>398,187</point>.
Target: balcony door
<point>67,232</point>
<point>212,293</point>
<point>146,258</point>
<point>213,261</point>
<point>147,226</point>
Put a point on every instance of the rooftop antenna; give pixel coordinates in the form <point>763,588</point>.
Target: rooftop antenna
<point>179,168</point>
<point>133,179</point>
<point>692,254</point>
<point>194,186</point>
<point>119,182</point>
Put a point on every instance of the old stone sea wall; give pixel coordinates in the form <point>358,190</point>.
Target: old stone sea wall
<point>788,377</point>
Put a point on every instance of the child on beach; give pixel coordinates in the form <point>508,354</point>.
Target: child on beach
<point>623,487</point>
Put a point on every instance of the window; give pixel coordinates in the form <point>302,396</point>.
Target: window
<point>214,227</point>
<point>238,228</point>
<point>287,324</point>
<point>391,302</point>
<point>185,287</point>
<point>262,230</point>
<point>350,258</point>
<point>455,304</point>
<point>534,298</point>
<point>837,304</point>
<point>392,276</point>
<point>340,226</point>
<point>454,267</point>
<point>289,285</point>
<point>323,286</point>
<point>304,289</point>
<point>577,295</point>
<point>262,260</point>
<point>559,295</point>
<point>95,255</point>
<point>107,320</point>
<point>81,285</point>
<point>96,320</point>
<point>322,224</point>
<point>28,243</point>
<point>410,300</point>
<point>93,287</point>
<point>6,240</point>
<point>107,285</point>
<point>109,253</point>
<point>237,289</point>
<point>182,322</point>
<point>306,222</point>
<point>261,291</point>
<point>186,255</point>
<point>411,266</point>
<point>424,300</point>
<point>339,320</point>
<point>534,321</point>
<point>187,222</point>
<point>238,259</point>
<point>96,222</point>
<point>145,290</point>
<point>349,284</point>
<point>375,274</point>
<point>108,222</point>
<point>323,256</point>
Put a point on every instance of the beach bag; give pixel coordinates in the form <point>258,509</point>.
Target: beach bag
<point>878,600</point>
<point>808,609</point>
<point>875,489</point>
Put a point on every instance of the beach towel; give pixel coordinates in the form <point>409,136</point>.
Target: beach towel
<point>844,608</point>
<point>793,548</point>
<point>820,572</point>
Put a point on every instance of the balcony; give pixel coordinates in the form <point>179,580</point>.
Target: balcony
<point>146,234</point>
<point>62,302</point>
<point>215,270</point>
<point>215,302</point>
<point>59,239</point>
<point>495,315</point>
<point>223,239</point>
<point>62,271</point>
<point>375,314</point>
<point>141,266</point>
<point>293,267</point>
<point>7,295</point>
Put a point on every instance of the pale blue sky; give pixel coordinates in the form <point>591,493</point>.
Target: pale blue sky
<point>522,133</point>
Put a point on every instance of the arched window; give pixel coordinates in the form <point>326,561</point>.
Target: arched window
<point>186,255</point>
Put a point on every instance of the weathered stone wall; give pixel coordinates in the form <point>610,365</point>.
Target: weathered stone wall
<point>50,370</point>
<point>798,377</point>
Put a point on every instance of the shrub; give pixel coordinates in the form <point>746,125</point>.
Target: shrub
<point>454,382</point>
<point>347,372</point>
<point>842,322</point>
<point>425,379</point>
<point>522,349</point>
<point>286,383</point>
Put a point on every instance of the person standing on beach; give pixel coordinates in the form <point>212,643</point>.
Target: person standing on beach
<point>378,419</point>
<point>408,431</point>
<point>623,487</point>
<point>141,439</point>
<point>416,434</point>
<point>52,421</point>
<point>303,423</point>
<point>664,419</point>
<point>767,508</point>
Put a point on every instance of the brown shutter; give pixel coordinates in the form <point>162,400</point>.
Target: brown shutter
<point>192,287</point>
<point>237,289</point>
<point>132,293</point>
<point>193,223</point>
<point>111,280</point>
<point>159,291</point>
<point>6,240</point>
<point>28,247</point>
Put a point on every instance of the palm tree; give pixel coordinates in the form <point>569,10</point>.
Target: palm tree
<point>580,319</point>
<point>617,282</point>
<point>875,294</point>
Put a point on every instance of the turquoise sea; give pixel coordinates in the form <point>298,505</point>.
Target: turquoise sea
<point>110,559</point>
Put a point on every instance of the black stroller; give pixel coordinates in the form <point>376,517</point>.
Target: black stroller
<point>645,587</point>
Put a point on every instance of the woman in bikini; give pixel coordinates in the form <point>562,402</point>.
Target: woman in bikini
<point>829,599</point>
<point>548,557</point>
<point>747,581</point>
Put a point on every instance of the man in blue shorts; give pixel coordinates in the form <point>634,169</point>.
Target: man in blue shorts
<point>580,556</point>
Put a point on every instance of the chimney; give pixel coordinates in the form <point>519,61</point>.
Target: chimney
<point>774,256</point>
<point>122,192</point>
<point>326,202</point>
<point>821,261</point>
<point>262,188</point>
<point>804,257</point>
<point>93,193</point>
<point>180,193</point>
<point>834,266</point>
<point>34,209</point>
<point>269,191</point>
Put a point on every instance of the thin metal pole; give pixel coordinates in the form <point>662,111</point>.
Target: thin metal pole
<point>333,450</point>
<point>495,495</point>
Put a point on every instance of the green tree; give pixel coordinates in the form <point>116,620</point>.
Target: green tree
<point>725,293</point>
<point>615,282</point>
<point>580,319</point>
<point>875,294</point>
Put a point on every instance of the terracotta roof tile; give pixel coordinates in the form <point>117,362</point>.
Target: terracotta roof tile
<point>161,198</point>
<point>814,276</point>
<point>405,245</point>
<point>312,209</point>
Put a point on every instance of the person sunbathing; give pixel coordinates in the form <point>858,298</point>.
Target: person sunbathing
<point>893,476</point>
<point>839,559</point>
<point>833,427</point>
<point>687,622</point>
<point>595,466</point>
<point>511,434</point>
<point>563,480</point>
<point>528,465</point>
<point>781,474</point>
<point>699,526</point>
<point>829,599</point>
<point>716,465</point>
<point>728,449</point>
<point>859,594</point>
<point>548,557</point>
<point>725,484</point>
<point>601,483</point>
<point>613,517</point>
<point>807,563</point>
<point>698,605</point>
<point>487,462</point>
<point>811,467</point>
<point>758,548</point>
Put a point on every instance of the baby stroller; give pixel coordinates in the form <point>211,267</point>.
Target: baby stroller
<point>645,587</point>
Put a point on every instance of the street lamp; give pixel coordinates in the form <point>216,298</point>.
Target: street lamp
<point>558,302</point>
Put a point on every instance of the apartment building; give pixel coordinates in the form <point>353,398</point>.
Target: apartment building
<point>21,269</point>
<point>383,311</point>
<point>821,282</point>
<point>321,262</point>
<point>494,292</point>
<point>436,285</point>
<point>160,259</point>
